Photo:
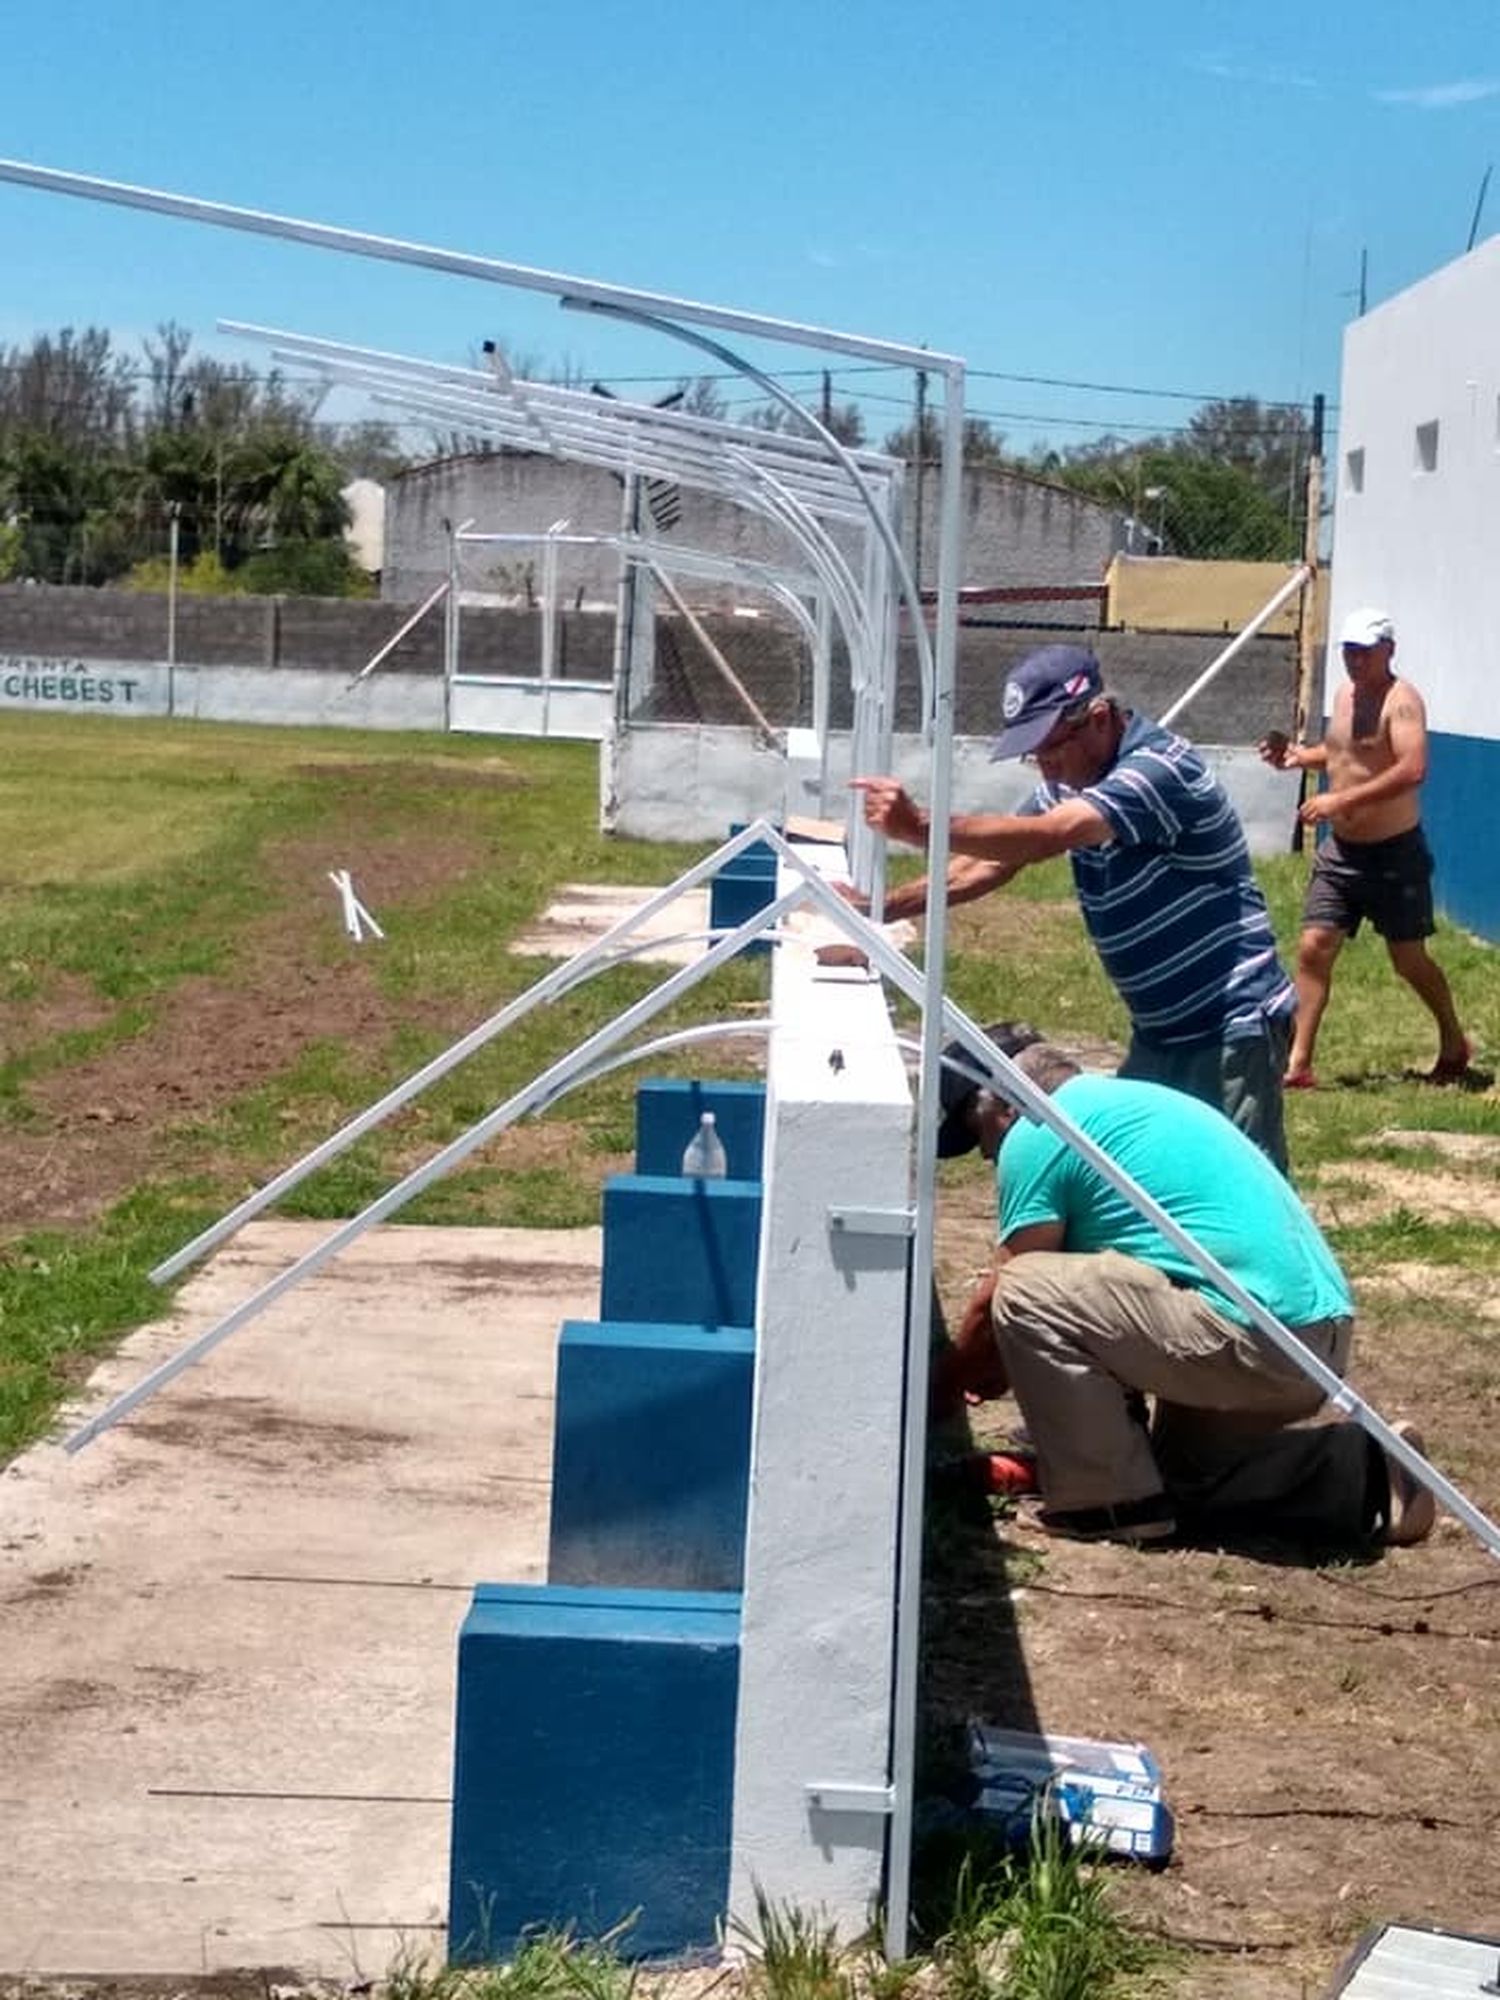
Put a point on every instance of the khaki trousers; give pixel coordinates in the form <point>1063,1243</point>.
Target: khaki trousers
<point>1085,1338</point>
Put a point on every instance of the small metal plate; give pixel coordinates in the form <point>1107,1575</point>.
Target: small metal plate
<point>1406,1962</point>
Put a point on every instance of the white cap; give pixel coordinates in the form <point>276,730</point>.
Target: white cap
<point>1366,627</point>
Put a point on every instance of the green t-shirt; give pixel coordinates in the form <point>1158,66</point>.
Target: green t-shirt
<point>1211,1180</point>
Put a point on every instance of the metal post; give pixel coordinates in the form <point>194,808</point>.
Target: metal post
<point>174,523</point>
<point>549,616</point>
<point>1241,639</point>
<point>1308,650</point>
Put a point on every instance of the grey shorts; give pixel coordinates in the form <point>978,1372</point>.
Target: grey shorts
<point>1388,881</point>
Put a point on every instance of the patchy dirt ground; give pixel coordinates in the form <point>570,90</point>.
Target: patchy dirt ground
<point>1328,1734</point>
<point>101,1125</point>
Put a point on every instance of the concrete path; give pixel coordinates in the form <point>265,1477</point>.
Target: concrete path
<point>584,911</point>
<point>227,1627</point>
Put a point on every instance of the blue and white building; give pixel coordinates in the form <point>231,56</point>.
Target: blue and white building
<point>1417,531</point>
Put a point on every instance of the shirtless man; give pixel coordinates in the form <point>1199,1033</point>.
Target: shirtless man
<point>1375,860</point>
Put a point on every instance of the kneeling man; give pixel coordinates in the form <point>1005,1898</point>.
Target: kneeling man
<point>1088,1310</point>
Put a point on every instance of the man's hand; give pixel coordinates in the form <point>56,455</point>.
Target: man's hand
<point>856,898</point>
<point>1277,750</point>
<point>970,1370</point>
<point>1321,806</point>
<point>890,809</point>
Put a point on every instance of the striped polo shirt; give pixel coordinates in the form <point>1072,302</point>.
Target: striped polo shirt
<point>1170,902</point>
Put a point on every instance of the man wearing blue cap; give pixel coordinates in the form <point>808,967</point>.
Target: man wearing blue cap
<point>1163,877</point>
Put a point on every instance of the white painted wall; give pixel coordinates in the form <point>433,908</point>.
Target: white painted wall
<point>820,1556</point>
<point>676,781</point>
<point>578,709</point>
<point>1425,544</point>
<point>291,695</point>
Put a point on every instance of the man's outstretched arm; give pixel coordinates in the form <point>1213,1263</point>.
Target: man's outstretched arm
<point>1012,839</point>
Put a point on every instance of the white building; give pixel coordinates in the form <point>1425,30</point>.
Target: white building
<point>366,531</point>
<point>1417,531</point>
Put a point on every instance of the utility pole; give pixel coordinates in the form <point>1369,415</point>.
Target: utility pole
<point>1484,188</point>
<point>1307,633</point>
<point>827,398</point>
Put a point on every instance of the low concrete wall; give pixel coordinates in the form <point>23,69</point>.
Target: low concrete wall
<point>818,1620</point>
<point>302,696</point>
<point>671,782</point>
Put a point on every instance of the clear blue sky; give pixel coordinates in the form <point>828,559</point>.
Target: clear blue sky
<point>1173,197</point>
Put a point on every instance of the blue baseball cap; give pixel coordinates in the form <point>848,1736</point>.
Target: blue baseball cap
<point>1046,683</point>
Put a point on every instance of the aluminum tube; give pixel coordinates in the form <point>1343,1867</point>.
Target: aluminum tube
<point>587,292</point>
<point>1293,583</point>
<point>919,1299</point>
<point>549,987</point>
<point>882,526</point>
<point>721,665</point>
<point>401,631</point>
<point>422,1177</point>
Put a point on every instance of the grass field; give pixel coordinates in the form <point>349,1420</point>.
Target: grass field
<point>182,1015</point>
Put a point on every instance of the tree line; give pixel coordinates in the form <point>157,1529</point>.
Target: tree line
<point>104,454</point>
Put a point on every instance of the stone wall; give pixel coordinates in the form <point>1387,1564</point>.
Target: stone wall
<point>1018,531</point>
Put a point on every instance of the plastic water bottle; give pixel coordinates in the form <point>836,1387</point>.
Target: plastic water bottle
<point>705,1158</point>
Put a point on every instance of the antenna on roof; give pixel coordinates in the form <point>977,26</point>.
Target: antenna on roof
<point>1484,188</point>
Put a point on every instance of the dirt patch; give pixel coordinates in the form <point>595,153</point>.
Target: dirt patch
<point>1464,1148</point>
<point>102,1126</point>
<point>1370,1189</point>
<point>255,1433</point>
<point>69,1006</point>
<point>1326,1733</point>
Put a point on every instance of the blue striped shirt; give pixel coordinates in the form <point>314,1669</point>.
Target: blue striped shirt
<point>1170,902</point>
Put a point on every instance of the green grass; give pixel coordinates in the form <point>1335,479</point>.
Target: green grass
<point>1033,1926</point>
<point>65,1298</point>
<point>135,856</point>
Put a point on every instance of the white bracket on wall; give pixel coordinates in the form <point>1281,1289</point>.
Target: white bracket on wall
<point>873,1221</point>
<point>852,1798</point>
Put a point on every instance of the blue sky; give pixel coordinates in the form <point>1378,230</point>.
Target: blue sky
<point>1168,198</point>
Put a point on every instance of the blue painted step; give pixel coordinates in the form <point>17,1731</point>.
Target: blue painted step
<point>680,1250</point>
<point>593,1768</point>
<point>651,1456</point>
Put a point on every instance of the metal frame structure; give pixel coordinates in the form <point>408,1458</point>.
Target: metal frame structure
<point>590,1058</point>
<point>786,480</point>
<point>778,494</point>
<point>680,319</point>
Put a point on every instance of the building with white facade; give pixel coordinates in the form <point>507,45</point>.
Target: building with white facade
<point>1417,531</point>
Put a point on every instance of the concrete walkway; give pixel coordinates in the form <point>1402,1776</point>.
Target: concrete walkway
<point>227,1627</point>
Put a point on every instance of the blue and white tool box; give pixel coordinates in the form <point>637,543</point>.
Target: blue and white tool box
<point>1106,1794</point>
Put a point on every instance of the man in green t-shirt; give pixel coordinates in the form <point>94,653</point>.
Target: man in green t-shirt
<point>1088,1310</point>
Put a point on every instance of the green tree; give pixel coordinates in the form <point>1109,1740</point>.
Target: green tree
<point>844,420</point>
<point>305,569</point>
<point>1182,500</point>
<point>983,444</point>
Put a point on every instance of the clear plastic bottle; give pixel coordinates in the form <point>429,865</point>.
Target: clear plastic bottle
<point>705,1158</point>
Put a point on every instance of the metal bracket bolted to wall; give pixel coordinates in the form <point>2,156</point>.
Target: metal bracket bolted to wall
<point>873,1221</point>
<point>852,1798</point>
